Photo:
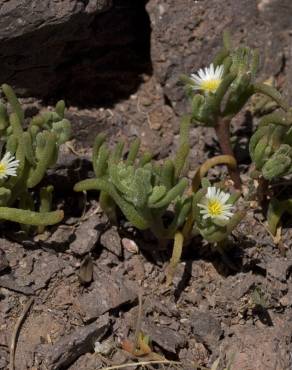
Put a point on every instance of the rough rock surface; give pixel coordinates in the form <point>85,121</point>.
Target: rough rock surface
<point>100,299</point>
<point>86,235</point>
<point>75,344</point>
<point>205,328</point>
<point>32,15</point>
<point>65,45</point>
<point>248,352</point>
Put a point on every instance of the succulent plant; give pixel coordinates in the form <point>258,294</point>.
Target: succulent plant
<point>232,76</point>
<point>270,146</point>
<point>219,92</point>
<point>147,193</point>
<point>141,189</point>
<point>29,152</point>
<point>214,212</point>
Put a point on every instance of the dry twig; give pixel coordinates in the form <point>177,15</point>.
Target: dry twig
<point>16,332</point>
<point>142,363</point>
<point>139,321</point>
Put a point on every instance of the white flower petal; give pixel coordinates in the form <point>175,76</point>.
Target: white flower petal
<point>8,166</point>
<point>223,197</point>
<point>211,192</point>
<point>208,79</point>
<point>214,205</point>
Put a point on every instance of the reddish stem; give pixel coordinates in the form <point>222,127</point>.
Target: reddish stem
<point>222,129</point>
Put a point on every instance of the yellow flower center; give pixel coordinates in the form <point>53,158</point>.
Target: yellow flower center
<point>210,85</point>
<point>3,168</point>
<point>214,208</point>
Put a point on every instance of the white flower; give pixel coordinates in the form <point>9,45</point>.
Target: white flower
<point>214,205</point>
<point>8,166</point>
<point>208,79</point>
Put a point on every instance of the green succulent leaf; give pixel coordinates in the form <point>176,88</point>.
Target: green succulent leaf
<point>274,214</point>
<point>158,192</point>
<point>279,164</point>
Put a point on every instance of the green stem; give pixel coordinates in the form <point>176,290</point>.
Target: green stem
<point>131,213</point>
<point>209,163</point>
<point>176,256</point>
<point>272,93</point>
<point>13,101</point>
<point>29,217</point>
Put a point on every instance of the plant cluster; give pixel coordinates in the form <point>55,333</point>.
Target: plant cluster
<point>271,151</point>
<point>218,93</point>
<point>29,147</point>
<point>142,189</point>
<point>270,146</point>
<point>156,195</point>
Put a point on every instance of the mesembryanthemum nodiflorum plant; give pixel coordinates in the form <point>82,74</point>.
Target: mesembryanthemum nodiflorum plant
<point>26,155</point>
<point>270,146</point>
<point>215,212</point>
<point>222,89</point>
<point>217,93</point>
<point>142,189</point>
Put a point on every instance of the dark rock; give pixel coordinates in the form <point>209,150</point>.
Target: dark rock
<point>111,240</point>
<point>259,348</point>
<point>37,269</point>
<point>87,361</point>
<point>60,239</point>
<point>119,357</point>
<point>244,285</point>
<point>278,268</point>
<point>237,287</point>
<point>205,327</point>
<point>44,26</point>
<point>168,339</point>
<point>194,351</point>
<point>68,45</point>
<point>14,252</point>
<point>87,235</point>
<point>107,293</point>
<point>80,341</point>
<point>9,282</point>
<point>32,16</point>
<point>135,268</point>
<point>161,306</point>
<point>4,264</point>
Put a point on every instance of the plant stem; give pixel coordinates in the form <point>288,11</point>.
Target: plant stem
<point>175,258</point>
<point>229,160</point>
<point>222,129</point>
<point>262,190</point>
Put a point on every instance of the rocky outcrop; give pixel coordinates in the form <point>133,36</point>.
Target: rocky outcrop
<point>19,17</point>
<point>86,50</point>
